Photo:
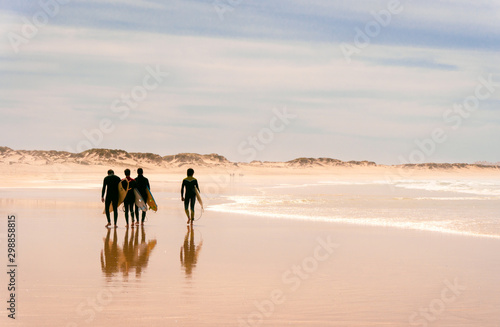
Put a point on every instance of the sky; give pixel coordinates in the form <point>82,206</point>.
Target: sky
<point>386,81</point>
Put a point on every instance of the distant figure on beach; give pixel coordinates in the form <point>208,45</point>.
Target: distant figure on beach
<point>129,201</point>
<point>189,183</point>
<point>190,251</point>
<point>142,184</point>
<point>110,187</point>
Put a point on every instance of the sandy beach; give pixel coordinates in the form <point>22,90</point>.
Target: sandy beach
<point>234,269</point>
<point>346,155</point>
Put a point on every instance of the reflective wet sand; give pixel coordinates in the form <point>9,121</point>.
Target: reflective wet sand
<point>231,270</point>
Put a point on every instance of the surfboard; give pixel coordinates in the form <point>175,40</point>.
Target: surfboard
<point>139,202</point>
<point>198,197</point>
<point>151,200</point>
<point>122,193</point>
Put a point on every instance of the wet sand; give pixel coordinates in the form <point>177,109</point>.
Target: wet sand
<point>237,270</point>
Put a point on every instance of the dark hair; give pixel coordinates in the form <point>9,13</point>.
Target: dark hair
<point>127,172</point>
<point>190,172</point>
<point>140,171</point>
<point>110,172</point>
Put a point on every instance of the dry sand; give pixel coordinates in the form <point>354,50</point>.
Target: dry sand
<point>67,175</point>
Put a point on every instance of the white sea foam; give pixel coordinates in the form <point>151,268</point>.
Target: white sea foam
<point>456,186</point>
<point>459,198</point>
<point>380,182</point>
<point>435,226</point>
<point>477,215</point>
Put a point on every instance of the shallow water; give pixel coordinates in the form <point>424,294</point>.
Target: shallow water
<point>470,207</point>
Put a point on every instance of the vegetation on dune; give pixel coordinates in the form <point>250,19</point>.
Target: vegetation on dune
<point>121,157</point>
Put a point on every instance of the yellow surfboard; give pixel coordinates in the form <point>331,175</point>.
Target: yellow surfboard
<point>122,193</point>
<point>151,200</point>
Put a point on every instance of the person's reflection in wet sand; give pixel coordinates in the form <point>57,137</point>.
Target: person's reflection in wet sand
<point>129,249</point>
<point>190,251</point>
<point>110,254</point>
<point>133,254</point>
<point>144,249</point>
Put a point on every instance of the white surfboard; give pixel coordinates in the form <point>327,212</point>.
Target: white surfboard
<point>139,201</point>
<point>198,197</point>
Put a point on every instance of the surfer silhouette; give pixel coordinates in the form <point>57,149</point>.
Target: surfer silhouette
<point>110,187</point>
<point>189,197</point>
<point>190,251</point>
<point>142,184</point>
<point>130,198</point>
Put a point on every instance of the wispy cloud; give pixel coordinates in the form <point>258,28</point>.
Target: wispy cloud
<point>225,77</point>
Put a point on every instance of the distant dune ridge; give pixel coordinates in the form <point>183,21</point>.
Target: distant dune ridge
<point>123,158</point>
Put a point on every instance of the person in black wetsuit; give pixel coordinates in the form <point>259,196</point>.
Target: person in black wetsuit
<point>189,198</point>
<point>130,198</point>
<point>110,187</point>
<point>142,184</point>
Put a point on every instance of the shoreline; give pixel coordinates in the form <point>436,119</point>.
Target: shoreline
<point>169,203</point>
<point>218,187</point>
<point>350,222</point>
<point>314,273</point>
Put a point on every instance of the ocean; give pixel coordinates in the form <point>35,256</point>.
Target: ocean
<point>457,206</point>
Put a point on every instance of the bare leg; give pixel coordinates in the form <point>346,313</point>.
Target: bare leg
<point>106,209</point>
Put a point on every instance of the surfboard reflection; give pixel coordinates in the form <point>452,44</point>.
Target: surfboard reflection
<point>190,252</point>
<point>133,255</point>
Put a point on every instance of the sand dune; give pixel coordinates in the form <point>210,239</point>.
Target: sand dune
<point>109,157</point>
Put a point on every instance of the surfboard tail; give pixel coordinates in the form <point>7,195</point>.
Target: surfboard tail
<point>151,201</point>
<point>198,197</point>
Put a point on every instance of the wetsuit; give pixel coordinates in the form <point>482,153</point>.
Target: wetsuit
<point>110,187</point>
<point>130,199</point>
<point>190,196</point>
<point>142,184</point>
